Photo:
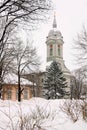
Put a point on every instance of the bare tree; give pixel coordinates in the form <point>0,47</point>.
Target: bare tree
<point>77,83</point>
<point>80,54</point>
<point>12,14</point>
<point>5,64</point>
<point>80,44</point>
<point>25,61</point>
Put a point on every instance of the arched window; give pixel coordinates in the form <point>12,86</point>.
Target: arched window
<point>59,50</point>
<point>51,50</point>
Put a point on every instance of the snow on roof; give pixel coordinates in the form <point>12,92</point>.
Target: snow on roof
<point>13,79</point>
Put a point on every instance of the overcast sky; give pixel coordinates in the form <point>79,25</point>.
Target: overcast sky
<point>70,15</point>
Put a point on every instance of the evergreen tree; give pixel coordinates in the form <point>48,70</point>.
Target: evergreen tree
<point>55,83</point>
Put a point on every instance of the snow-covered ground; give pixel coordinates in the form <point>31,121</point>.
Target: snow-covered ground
<point>40,114</point>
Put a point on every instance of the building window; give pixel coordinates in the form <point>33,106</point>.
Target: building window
<point>51,50</point>
<point>25,94</point>
<point>9,93</point>
<point>59,50</point>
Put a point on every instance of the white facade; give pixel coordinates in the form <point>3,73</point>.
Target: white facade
<point>54,44</point>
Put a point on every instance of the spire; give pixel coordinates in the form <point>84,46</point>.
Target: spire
<point>54,21</point>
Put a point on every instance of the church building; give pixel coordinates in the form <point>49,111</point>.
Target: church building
<point>54,42</point>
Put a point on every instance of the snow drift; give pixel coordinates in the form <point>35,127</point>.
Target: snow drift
<point>42,114</point>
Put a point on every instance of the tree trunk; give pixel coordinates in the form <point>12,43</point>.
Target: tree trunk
<point>0,81</point>
<point>19,87</point>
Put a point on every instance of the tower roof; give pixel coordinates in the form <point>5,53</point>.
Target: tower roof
<point>54,22</point>
<point>54,33</point>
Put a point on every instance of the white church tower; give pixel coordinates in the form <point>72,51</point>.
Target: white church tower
<point>54,44</point>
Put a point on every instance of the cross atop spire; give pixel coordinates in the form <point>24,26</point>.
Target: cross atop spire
<point>54,21</point>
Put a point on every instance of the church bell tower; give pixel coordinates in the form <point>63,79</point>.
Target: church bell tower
<point>54,42</point>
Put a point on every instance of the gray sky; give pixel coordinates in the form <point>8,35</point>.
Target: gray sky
<point>70,15</point>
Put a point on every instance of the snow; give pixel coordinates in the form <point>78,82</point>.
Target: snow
<point>37,114</point>
<point>13,79</point>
